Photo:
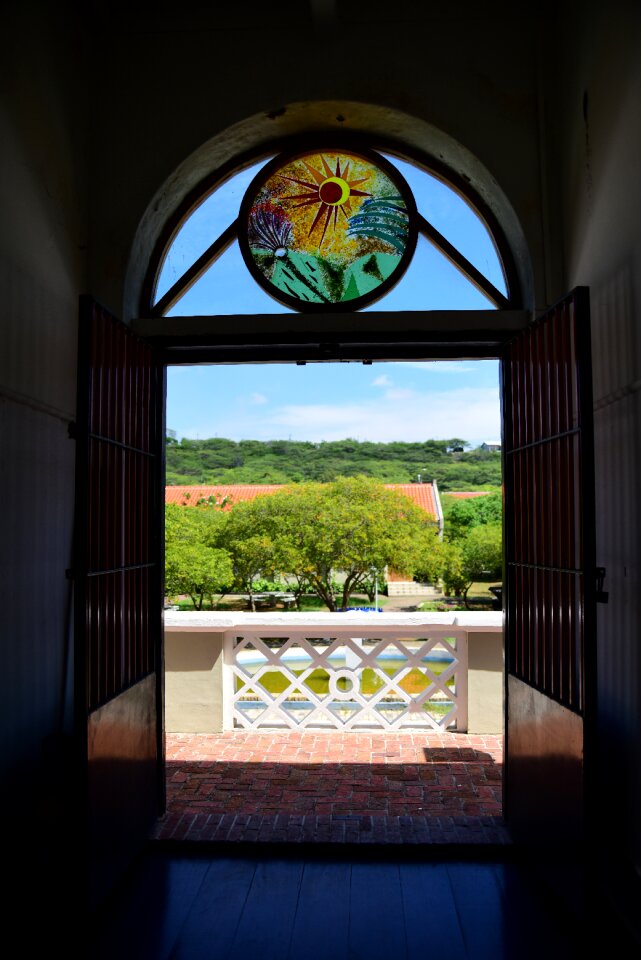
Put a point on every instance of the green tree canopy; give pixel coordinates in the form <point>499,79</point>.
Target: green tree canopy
<point>333,539</point>
<point>335,536</point>
<point>218,461</point>
<point>250,542</point>
<point>474,557</point>
<point>193,564</point>
<point>461,516</point>
<point>483,551</point>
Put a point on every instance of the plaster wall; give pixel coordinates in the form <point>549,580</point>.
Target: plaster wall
<point>42,243</point>
<point>485,682</point>
<point>598,132</point>
<point>193,681</point>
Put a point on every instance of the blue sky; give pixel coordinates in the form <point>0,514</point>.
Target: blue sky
<point>384,401</point>
<point>409,401</point>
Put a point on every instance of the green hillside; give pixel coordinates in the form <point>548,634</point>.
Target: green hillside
<point>218,461</point>
<point>316,280</point>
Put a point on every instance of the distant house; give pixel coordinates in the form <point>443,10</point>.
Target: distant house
<point>424,495</point>
<point>492,446</point>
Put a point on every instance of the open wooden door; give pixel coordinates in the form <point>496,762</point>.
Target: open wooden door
<point>550,572</point>
<point>118,589</point>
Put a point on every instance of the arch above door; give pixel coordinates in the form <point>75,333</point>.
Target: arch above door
<point>386,129</point>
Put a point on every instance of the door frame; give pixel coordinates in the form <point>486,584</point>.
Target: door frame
<point>476,340</point>
<point>368,337</point>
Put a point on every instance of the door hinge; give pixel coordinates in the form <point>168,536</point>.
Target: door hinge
<point>601,594</point>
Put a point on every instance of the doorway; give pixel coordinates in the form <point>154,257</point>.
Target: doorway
<point>559,734</point>
<point>293,760</point>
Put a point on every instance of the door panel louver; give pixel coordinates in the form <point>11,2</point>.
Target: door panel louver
<point>118,553</point>
<point>549,518</point>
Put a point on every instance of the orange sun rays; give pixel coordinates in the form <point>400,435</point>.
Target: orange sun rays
<point>331,190</point>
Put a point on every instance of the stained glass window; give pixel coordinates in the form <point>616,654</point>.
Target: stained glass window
<point>328,228</point>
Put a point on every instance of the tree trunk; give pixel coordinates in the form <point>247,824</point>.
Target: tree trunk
<point>324,593</point>
<point>348,586</point>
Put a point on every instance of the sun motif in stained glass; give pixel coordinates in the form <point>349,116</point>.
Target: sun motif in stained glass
<point>330,191</point>
<point>327,229</point>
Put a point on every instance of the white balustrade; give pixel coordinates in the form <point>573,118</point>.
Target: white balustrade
<point>344,673</point>
<point>205,694</point>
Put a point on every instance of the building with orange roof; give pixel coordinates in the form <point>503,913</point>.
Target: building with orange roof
<point>424,495</point>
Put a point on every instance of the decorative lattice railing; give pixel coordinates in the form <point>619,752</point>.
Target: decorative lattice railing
<point>383,678</point>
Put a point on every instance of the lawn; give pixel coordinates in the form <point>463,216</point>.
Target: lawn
<point>308,604</point>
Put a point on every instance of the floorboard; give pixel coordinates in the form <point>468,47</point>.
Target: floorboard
<point>321,925</point>
<point>376,920</point>
<point>145,917</point>
<point>479,905</point>
<point>317,905</point>
<point>265,926</point>
<point>210,926</point>
<point>525,909</point>
<point>431,920</point>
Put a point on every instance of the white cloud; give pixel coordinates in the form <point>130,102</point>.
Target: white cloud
<point>316,416</point>
<point>439,366</point>
<point>405,405</point>
<point>470,413</point>
<point>400,393</point>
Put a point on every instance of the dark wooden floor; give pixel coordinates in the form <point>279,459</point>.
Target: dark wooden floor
<point>322,907</point>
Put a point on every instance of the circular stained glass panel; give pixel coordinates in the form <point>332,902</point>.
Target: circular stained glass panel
<point>328,229</point>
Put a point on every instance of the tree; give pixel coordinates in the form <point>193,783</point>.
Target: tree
<point>474,542</point>
<point>463,515</point>
<point>249,542</point>
<point>451,572</point>
<point>192,565</point>
<point>479,555</point>
<point>218,460</point>
<point>353,526</point>
<point>483,551</point>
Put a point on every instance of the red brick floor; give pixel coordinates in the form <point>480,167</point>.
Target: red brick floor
<point>358,787</point>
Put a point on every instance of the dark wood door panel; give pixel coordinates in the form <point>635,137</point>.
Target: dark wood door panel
<point>550,569</point>
<point>118,576</point>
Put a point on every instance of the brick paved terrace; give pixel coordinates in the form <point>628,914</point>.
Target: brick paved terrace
<point>414,787</point>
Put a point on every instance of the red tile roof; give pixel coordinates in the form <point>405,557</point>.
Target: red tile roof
<point>187,496</point>
<point>465,495</point>
<point>421,493</point>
